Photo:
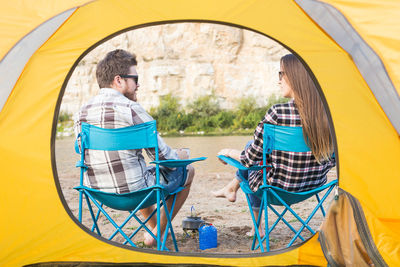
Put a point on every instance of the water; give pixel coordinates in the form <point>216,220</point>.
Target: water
<point>208,146</point>
<point>200,146</point>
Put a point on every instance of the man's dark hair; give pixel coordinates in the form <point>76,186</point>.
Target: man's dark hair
<point>115,63</point>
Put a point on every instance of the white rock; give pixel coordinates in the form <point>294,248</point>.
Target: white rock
<point>187,60</point>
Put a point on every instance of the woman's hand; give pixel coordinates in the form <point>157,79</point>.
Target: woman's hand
<point>224,152</point>
<point>231,153</point>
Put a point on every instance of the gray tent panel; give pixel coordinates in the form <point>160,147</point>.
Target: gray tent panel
<point>15,60</point>
<point>367,61</point>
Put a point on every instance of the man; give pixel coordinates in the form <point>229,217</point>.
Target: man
<point>124,171</point>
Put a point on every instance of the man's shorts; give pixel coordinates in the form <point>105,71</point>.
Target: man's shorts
<point>171,180</point>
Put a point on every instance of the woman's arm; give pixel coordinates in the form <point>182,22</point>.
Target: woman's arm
<point>253,154</point>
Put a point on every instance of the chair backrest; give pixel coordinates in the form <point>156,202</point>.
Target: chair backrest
<point>284,138</point>
<point>132,137</point>
<point>138,136</point>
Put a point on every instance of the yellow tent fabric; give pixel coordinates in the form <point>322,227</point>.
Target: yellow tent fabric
<point>18,18</point>
<point>36,227</point>
<point>378,23</point>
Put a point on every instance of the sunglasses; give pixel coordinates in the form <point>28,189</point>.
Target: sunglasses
<point>281,73</point>
<point>134,77</point>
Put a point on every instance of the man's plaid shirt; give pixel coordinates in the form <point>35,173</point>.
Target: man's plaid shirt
<point>120,171</point>
<point>292,171</point>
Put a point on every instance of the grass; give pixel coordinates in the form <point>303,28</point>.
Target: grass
<point>65,124</point>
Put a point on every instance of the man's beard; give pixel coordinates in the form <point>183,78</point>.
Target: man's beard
<point>131,96</point>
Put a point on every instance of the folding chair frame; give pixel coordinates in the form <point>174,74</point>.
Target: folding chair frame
<point>282,138</point>
<point>144,136</point>
<point>266,190</point>
<point>128,239</point>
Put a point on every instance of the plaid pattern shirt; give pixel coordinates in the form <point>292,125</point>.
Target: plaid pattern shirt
<point>292,171</point>
<point>120,171</point>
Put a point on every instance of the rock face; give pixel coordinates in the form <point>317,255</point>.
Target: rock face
<point>187,60</point>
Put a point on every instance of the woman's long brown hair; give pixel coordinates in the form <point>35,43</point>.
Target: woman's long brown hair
<point>311,109</point>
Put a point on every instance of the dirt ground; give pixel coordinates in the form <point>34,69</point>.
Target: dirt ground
<point>232,220</point>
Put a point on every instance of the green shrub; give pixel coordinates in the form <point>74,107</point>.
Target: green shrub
<point>204,114</point>
<point>204,106</point>
<point>64,116</point>
<point>224,119</point>
<point>168,114</point>
<point>169,105</point>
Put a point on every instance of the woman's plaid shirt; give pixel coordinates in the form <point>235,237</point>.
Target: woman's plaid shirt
<point>292,171</point>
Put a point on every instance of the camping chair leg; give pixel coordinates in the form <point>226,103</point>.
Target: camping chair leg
<point>111,221</point>
<point>258,222</point>
<point>168,226</point>
<point>91,214</point>
<point>322,208</point>
<point>172,232</point>
<point>256,233</point>
<point>284,220</point>
<point>297,217</point>
<point>292,211</point>
<point>305,224</point>
<point>97,218</point>
<point>158,220</point>
<point>279,215</point>
<point>142,224</point>
<point>266,237</point>
<point>262,210</point>
<point>80,206</point>
<point>121,226</point>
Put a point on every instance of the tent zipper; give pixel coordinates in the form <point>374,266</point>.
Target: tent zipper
<point>325,250</point>
<point>364,232</point>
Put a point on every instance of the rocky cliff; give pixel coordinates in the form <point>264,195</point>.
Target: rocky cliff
<point>187,60</point>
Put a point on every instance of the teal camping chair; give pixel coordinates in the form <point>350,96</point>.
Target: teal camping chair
<point>133,137</point>
<point>281,138</point>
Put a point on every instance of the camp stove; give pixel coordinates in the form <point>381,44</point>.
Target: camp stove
<point>192,222</point>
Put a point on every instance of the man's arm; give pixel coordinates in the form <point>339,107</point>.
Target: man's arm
<point>139,115</point>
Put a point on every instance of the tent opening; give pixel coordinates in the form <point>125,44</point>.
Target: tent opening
<point>208,85</point>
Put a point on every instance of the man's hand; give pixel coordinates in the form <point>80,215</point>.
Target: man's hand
<point>183,153</point>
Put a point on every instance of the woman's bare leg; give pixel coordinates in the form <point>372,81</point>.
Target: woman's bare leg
<point>228,191</point>
<point>261,230</point>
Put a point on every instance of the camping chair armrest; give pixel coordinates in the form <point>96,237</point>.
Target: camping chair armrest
<point>237,164</point>
<point>172,163</point>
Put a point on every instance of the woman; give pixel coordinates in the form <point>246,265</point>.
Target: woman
<point>292,171</point>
